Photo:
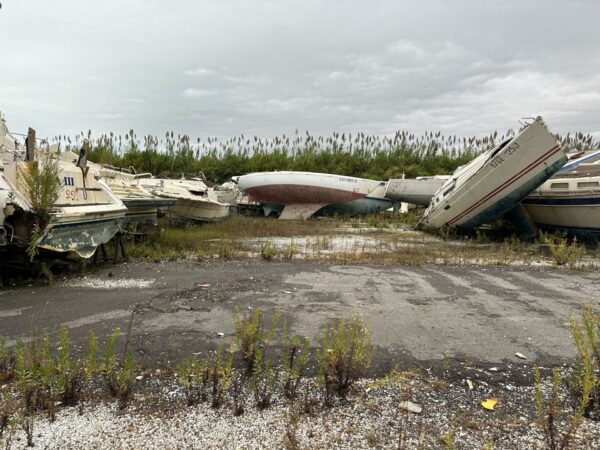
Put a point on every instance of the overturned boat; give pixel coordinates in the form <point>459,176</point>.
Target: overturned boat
<point>302,194</point>
<point>195,201</point>
<point>496,181</point>
<point>570,200</point>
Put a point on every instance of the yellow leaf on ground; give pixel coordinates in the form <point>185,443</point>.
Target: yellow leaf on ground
<point>489,403</point>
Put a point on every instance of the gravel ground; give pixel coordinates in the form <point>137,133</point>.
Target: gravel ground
<point>370,418</point>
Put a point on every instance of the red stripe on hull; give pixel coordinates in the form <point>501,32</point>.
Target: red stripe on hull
<point>286,194</point>
<point>508,182</point>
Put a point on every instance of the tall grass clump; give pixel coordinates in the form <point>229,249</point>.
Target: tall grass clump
<point>119,374</point>
<point>251,337</point>
<point>558,420</point>
<point>563,252</point>
<point>345,354</point>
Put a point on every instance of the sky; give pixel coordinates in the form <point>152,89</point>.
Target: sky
<point>265,68</point>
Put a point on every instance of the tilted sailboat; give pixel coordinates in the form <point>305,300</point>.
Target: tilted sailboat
<point>496,181</point>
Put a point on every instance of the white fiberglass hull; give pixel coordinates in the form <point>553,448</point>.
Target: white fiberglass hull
<point>195,202</point>
<point>496,181</point>
<point>304,193</point>
<point>570,200</point>
<point>419,191</point>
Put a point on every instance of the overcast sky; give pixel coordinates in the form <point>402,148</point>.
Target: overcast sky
<point>222,68</point>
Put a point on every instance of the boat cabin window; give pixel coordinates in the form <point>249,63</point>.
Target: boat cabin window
<point>588,184</point>
<point>559,186</point>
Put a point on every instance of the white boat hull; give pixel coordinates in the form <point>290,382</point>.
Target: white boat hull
<point>570,200</point>
<point>304,193</point>
<point>418,191</point>
<point>496,181</point>
<point>195,202</point>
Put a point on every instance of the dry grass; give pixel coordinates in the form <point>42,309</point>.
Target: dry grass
<point>385,239</point>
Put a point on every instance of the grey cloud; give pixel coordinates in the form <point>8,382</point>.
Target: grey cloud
<point>224,68</point>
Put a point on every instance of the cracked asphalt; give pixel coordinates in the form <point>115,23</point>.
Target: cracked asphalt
<point>419,316</point>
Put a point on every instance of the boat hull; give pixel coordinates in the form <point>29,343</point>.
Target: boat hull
<point>496,181</point>
<point>287,188</point>
<point>186,210</point>
<point>418,191</point>
<point>570,200</point>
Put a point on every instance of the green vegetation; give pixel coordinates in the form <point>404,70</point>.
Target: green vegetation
<point>251,337</point>
<point>557,420</point>
<point>345,354</point>
<point>586,370</point>
<point>358,155</point>
<point>563,251</point>
<point>42,185</point>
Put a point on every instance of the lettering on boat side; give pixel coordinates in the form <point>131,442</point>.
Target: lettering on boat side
<point>499,159</point>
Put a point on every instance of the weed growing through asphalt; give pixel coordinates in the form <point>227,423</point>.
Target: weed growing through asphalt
<point>251,336</point>
<point>346,352</point>
<point>120,376</point>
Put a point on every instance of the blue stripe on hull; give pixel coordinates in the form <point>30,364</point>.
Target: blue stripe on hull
<point>563,201</point>
<point>508,202</point>
<point>583,234</point>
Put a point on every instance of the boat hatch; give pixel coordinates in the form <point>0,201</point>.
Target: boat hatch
<point>588,185</point>
<point>559,186</point>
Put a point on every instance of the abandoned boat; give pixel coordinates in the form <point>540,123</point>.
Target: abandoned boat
<point>570,200</point>
<point>195,201</point>
<point>496,181</point>
<point>302,194</point>
<point>418,191</point>
<point>85,215</point>
<point>143,207</point>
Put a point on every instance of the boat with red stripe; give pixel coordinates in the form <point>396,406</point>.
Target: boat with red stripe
<point>496,181</point>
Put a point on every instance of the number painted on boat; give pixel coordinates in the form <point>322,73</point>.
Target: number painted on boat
<point>499,159</point>
<point>72,194</point>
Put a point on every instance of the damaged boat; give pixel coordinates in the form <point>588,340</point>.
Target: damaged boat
<point>195,201</point>
<point>496,181</point>
<point>85,215</point>
<point>300,195</point>
<point>143,207</point>
<point>570,200</point>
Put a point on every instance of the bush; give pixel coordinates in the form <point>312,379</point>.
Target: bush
<point>586,338</point>
<point>345,354</point>
<point>251,336</point>
<point>120,376</point>
<point>563,252</point>
<point>268,251</point>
